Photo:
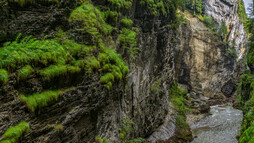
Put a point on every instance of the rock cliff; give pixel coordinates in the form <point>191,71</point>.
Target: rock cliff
<point>193,55</point>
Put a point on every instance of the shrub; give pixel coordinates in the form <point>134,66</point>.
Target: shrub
<point>40,100</point>
<point>3,76</point>
<point>12,134</point>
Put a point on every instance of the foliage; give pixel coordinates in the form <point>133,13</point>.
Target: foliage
<point>163,7</point>
<point>126,129</point>
<point>241,11</point>
<point>101,140</point>
<point>246,98</point>
<point>12,134</point>
<point>223,31</point>
<point>37,101</point>
<point>121,3</point>
<point>3,76</point>
<point>92,19</point>
<point>208,20</point>
<point>232,52</point>
<point>25,72</point>
<point>126,22</point>
<point>195,5</point>
<point>178,98</point>
<point>128,41</point>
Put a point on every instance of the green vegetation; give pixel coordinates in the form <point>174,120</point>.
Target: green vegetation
<point>101,140</point>
<point>208,20</point>
<point>163,7</point>
<point>126,128</point>
<point>13,134</point>
<point>128,41</point>
<point>121,3</point>
<point>241,11</point>
<point>246,99</point>
<point>37,101</point>
<point>223,31</point>
<point>126,22</point>
<point>179,99</point>
<point>195,5</point>
<point>3,76</point>
<point>25,72</point>
<point>92,19</point>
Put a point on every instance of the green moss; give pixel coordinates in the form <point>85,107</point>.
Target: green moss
<point>121,3</point>
<point>25,72</point>
<point>3,76</point>
<point>37,101</point>
<point>12,134</point>
<point>101,140</point>
<point>53,71</point>
<point>92,64</point>
<point>126,22</point>
<point>92,19</point>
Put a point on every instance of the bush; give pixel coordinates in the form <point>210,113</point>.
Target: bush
<point>12,134</point>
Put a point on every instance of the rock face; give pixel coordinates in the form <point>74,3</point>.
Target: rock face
<point>227,11</point>
<point>89,110</point>
<point>204,64</point>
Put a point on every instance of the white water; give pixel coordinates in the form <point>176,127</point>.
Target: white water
<point>221,126</point>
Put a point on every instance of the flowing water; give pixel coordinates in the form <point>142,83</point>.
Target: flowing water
<point>221,126</point>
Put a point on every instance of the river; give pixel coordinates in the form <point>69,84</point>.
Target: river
<point>221,126</point>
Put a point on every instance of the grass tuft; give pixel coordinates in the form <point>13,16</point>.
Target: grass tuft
<point>3,76</point>
<point>12,134</point>
<point>40,100</point>
<point>25,72</point>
